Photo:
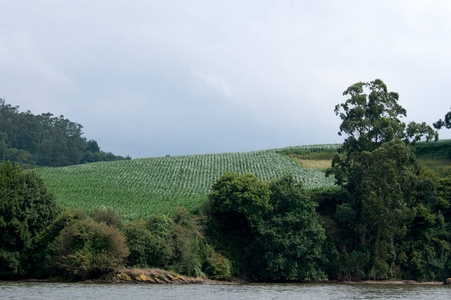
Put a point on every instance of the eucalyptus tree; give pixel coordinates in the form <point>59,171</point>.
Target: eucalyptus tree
<point>377,167</point>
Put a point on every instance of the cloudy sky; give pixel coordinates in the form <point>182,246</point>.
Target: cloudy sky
<point>150,78</point>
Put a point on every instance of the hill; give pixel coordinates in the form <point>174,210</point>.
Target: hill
<point>141,187</point>
<point>45,140</point>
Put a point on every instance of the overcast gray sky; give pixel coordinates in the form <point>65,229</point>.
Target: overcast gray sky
<point>150,78</point>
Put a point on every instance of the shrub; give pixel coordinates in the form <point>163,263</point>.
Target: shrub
<point>161,228</point>
<point>26,209</point>
<point>43,240</point>
<point>86,249</point>
<point>217,267</point>
<point>141,244</point>
<point>107,215</point>
<point>178,243</point>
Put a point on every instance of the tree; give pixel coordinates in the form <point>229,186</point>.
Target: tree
<point>370,120</point>
<point>269,230</point>
<point>444,123</point>
<point>291,240</point>
<point>26,209</point>
<point>86,249</point>
<point>234,210</point>
<point>377,167</point>
<point>375,118</point>
<point>44,140</point>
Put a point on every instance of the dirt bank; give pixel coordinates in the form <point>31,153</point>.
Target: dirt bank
<point>156,276</point>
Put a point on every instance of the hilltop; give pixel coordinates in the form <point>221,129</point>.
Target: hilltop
<point>141,187</point>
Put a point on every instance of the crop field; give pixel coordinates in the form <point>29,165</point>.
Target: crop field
<point>142,187</point>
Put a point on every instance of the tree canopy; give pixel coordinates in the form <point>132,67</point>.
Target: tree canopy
<point>270,230</point>
<point>391,205</point>
<point>44,140</point>
<point>444,123</point>
<point>373,118</point>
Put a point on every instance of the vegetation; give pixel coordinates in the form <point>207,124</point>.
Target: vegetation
<point>26,209</point>
<point>86,249</point>
<point>139,188</point>
<point>257,215</point>
<point>44,140</point>
<point>391,204</point>
<point>444,123</point>
<point>270,231</point>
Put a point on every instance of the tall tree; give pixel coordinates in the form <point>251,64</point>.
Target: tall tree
<point>378,169</point>
<point>370,117</point>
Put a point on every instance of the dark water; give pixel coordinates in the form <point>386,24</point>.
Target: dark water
<point>66,291</point>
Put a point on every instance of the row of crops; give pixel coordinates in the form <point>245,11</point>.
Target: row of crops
<point>142,187</point>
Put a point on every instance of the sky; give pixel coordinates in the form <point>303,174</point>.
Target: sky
<point>155,78</point>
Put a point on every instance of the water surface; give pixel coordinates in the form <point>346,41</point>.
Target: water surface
<point>53,291</point>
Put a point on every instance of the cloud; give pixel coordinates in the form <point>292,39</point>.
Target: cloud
<point>216,84</point>
<point>25,74</point>
<point>191,77</point>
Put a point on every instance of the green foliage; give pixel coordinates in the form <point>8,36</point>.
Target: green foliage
<point>140,243</point>
<point>235,209</point>
<point>86,249</point>
<point>46,237</point>
<point>217,267</point>
<point>372,119</point>
<point>26,209</point>
<point>292,239</point>
<point>142,187</point>
<point>44,140</point>
<point>107,215</point>
<point>444,123</point>
<point>175,244</point>
<point>393,207</point>
<point>241,195</point>
<point>309,150</point>
<point>268,230</point>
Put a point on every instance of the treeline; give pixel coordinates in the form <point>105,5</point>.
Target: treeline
<point>45,140</point>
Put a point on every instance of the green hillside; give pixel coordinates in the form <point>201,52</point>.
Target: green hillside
<point>141,187</point>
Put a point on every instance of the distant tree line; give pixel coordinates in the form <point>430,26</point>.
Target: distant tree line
<point>45,140</point>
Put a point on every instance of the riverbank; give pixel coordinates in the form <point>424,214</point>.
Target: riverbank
<point>158,276</point>
<point>155,276</point>
<point>393,282</point>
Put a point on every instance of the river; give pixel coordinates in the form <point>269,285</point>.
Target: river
<point>69,291</point>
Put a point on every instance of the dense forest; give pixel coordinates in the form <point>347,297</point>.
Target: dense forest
<point>45,140</point>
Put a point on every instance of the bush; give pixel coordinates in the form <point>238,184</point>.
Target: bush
<point>141,244</point>
<point>178,243</point>
<point>86,249</point>
<point>217,267</point>
<point>107,215</point>
<point>268,230</point>
<point>43,240</point>
<point>26,209</point>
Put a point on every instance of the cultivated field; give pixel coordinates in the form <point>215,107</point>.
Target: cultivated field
<point>142,187</point>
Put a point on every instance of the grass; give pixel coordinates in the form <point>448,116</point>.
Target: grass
<point>312,161</point>
<point>434,155</point>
